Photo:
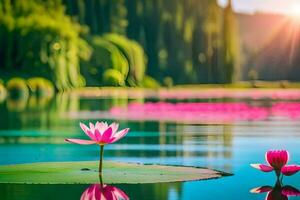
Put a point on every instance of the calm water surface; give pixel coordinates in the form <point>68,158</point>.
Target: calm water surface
<point>34,131</point>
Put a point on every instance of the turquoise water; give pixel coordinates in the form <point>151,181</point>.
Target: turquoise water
<point>36,134</point>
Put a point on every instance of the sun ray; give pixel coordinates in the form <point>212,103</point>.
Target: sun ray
<point>294,13</point>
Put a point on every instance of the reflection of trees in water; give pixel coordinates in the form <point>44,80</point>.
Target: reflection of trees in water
<point>29,191</point>
<point>44,113</point>
<point>37,112</point>
<point>11,106</point>
<point>216,140</point>
<point>162,191</point>
<point>169,140</point>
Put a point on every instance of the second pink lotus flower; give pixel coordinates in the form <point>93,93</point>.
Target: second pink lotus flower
<point>277,160</point>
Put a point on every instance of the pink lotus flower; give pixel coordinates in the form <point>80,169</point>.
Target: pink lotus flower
<point>103,192</point>
<point>277,192</point>
<point>101,133</point>
<point>277,161</point>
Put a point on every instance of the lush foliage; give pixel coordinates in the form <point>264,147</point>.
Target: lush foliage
<point>17,88</point>
<point>105,56</point>
<point>115,61</point>
<point>40,86</point>
<point>38,39</point>
<point>2,92</point>
<point>118,42</point>
<point>188,41</point>
<point>150,82</point>
<point>112,77</point>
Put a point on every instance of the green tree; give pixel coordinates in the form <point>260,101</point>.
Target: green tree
<point>101,16</point>
<point>38,39</point>
<point>231,49</point>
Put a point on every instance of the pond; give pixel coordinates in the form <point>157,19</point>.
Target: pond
<point>221,133</point>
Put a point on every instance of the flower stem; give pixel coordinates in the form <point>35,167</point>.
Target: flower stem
<point>281,180</point>
<point>101,159</point>
<point>100,180</point>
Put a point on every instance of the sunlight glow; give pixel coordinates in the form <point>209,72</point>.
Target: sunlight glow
<point>294,12</point>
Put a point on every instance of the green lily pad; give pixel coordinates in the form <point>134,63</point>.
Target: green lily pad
<point>113,173</point>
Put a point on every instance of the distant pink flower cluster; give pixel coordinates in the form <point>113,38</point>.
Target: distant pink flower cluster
<point>284,94</point>
<point>291,110</point>
<point>203,112</point>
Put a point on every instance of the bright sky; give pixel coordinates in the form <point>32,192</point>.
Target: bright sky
<point>277,6</point>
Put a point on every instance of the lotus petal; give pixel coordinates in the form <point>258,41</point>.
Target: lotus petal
<point>87,131</point>
<point>289,170</point>
<point>92,127</point>
<point>78,141</point>
<point>262,189</point>
<point>120,134</point>
<point>97,135</point>
<point>262,167</point>
<point>119,194</point>
<point>290,191</point>
<point>114,126</point>
<point>106,136</point>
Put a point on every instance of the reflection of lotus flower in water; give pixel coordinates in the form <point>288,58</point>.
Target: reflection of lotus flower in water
<point>103,192</point>
<point>278,192</point>
<point>101,133</point>
<point>277,161</point>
